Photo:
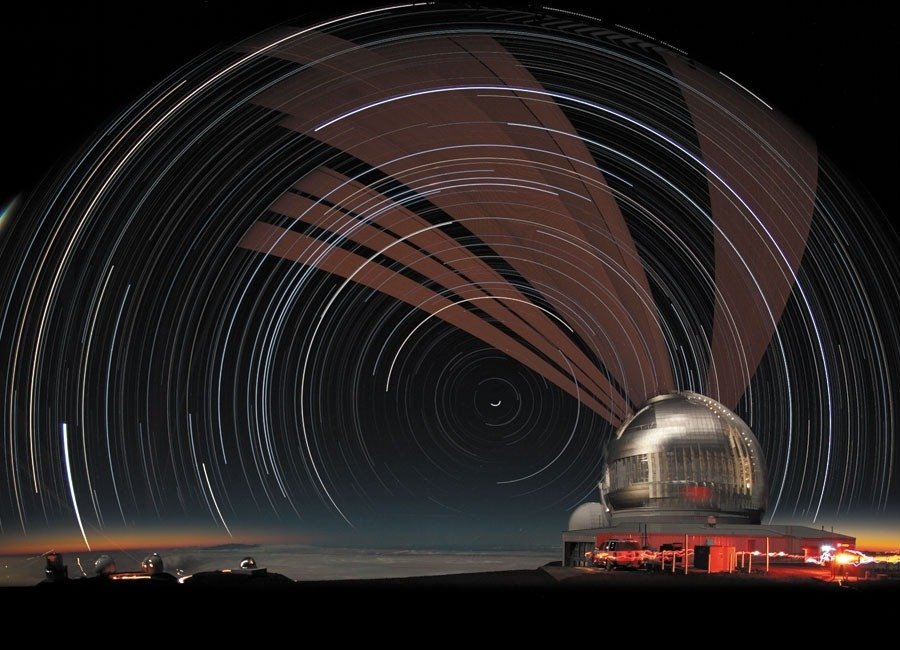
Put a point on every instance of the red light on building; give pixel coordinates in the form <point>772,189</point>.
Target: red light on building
<point>697,493</point>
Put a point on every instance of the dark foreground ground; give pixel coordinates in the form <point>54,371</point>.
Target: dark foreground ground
<point>798,585</point>
<point>515,607</point>
<point>533,608</point>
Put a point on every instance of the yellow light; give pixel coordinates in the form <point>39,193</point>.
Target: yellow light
<point>129,576</point>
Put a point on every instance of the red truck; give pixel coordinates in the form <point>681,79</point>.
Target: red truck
<point>614,553</point>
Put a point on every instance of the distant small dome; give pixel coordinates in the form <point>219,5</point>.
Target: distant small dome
<point>683,457</point>
<point>104,565</point>
<point>152,564</point>
<point>589,515</point>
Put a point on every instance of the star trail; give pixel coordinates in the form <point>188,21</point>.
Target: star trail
<point>412,266</point>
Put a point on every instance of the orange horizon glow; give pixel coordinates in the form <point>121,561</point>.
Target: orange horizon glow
<point>871,534</point>
<point>868,538</point>
<point>878,540</point>
<point>137,540</point>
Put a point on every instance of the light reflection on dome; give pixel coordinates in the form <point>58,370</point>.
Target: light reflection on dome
<point>684,456</point>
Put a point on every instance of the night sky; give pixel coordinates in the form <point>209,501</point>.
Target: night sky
<point>354,288</point>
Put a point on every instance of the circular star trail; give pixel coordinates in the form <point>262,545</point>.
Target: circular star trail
<point>414,265</point>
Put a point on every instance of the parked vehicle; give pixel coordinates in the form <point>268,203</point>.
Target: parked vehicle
<point>615,553</point>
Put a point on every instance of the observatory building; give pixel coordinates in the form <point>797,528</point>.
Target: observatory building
<point>686,470</point>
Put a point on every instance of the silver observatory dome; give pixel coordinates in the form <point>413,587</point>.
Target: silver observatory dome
<point>684,457</point>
